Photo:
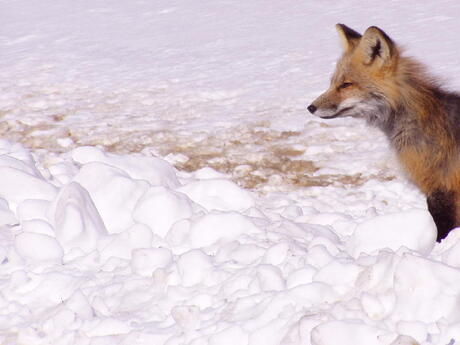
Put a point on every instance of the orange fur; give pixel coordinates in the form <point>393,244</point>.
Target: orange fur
<point>373,80</point>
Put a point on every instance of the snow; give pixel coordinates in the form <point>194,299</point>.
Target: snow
<point>76,220</point>
<point>218,194</point>
<point>113,192</point>
<point>347,332</point>
<point>160,208</point>
<point>162,183</point>
<point>414,229</point>
<point>171,270</point>
<point>220,227</point>
<point>38,247</point>
<point>17,186</point>
<point>145,261</point>
<point>195,267</point>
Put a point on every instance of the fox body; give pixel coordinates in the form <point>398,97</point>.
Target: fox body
<point>374,81</point>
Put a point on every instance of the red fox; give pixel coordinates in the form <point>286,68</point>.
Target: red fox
<point>374,81</point>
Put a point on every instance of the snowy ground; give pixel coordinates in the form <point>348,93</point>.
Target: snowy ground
<point>162,183</point>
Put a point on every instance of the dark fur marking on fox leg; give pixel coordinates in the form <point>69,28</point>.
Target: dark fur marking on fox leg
<point>441,205</point>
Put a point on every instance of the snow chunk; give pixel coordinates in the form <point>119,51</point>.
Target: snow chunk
<point>414,229</point>
<point>38,226</point>
<point>154,170</point>
<point>404,340</point>
<point>217,226</point>
<point>76,220</point>
<point>276,254</point>
<point>186,316</point>
<point>21,160</point>
<point>38,247</point>
<point>230,336</point>
<point>7,217</point>
<point>418,282</point>
<point>238,284</point>
<point>241,253</point>
<point>33,209</point>
<point>159,208</point>
<point>114,193</point>
<point>346,333</point>
<point>17,185</point>
<point>314,293</point>
<point>145,261</point>
<point>318,256</point>
<point>270,278</point>
<point>50,288</point>
<point>376,306</point>
<point>207,173</point>
<point>107,327</point>
<point>340,275</point>
<point>270,334</point>
<point>63,319</point>
<point>63,172</point>
<point>194,266</point>
<point>79,304</point>
<point>301,276</point>
<point>414,331</point>
<point>179,232</point>
<point>218,194</point>
<point>121,245</point>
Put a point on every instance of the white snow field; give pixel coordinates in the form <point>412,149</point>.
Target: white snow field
<point>161,182</point>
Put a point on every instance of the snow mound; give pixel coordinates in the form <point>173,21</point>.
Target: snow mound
<point>17,186</point>
<point>417,281</point>
<point>413,229</point>
<point>205,262</point>
<point>220,227</point>
<point>218,194</point>
<point>76,220</point>
<point>114,193</point>
<point>159,208</point>
<point>153,170</point>
<point>38,247</point>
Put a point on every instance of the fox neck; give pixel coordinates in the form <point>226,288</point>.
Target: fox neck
<point>420,130</point>
<point>419,119</point>
<point>414,110</point>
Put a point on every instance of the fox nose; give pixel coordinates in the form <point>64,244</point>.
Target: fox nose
<point>311,108</point>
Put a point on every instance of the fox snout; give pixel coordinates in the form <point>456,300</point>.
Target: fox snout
<point>324,107</point>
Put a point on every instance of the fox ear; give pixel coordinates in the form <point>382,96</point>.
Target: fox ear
<point>349,37</point>
<point>377,47</point>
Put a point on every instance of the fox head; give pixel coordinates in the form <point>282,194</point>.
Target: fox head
<point>363,81</point>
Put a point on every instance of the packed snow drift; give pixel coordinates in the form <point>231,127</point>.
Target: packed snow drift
<point>162,183</point>
<point>105,248</point>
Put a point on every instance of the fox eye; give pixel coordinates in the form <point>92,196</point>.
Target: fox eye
<point>345,85</point>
